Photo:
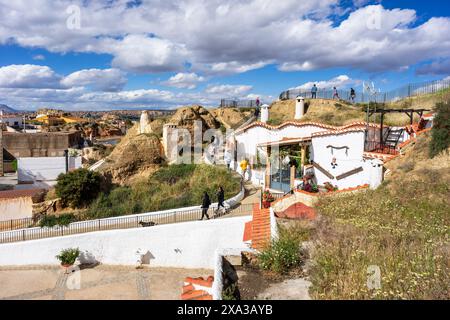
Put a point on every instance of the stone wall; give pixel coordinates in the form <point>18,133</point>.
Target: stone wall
<point>40,144</point>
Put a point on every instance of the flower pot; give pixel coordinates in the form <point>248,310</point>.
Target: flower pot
<point>66,267</point>
<point>266,204</point>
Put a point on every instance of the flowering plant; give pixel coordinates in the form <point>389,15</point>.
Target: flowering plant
<point>244,165</point>
<point>267,196</point>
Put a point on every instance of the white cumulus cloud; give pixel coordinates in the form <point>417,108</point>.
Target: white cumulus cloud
<point>184,80</point>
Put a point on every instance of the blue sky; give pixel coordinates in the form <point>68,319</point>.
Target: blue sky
<point>82,55</point>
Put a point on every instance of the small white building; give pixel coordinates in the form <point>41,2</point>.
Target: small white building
<point>12,121</point>
<point>282,155</point>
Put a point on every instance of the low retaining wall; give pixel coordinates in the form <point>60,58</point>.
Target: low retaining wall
<point>310,199</point>
<point>217,287</point>
<point>183,245</point>
<point>16,208</point>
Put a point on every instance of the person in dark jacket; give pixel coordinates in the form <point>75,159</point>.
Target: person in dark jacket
<point>220,199</point>
<point>206,202</point>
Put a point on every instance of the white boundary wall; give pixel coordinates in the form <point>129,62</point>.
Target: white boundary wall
<point>44,168</point>
<point>184,245</point>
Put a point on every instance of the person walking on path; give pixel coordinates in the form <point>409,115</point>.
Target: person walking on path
<point>220,199</point>
<point>314,92</point>
<point>335,94</point>
<point>206,202</point>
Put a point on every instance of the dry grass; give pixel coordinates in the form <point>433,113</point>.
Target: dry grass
<point>427,101</point>
<point>403,227</point>
<point>330,112</point>
<point>325,111</point>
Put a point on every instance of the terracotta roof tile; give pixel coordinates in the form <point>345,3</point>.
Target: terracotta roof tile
<point>309,123</point>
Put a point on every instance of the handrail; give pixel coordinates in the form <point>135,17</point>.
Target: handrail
<point>123,222</point>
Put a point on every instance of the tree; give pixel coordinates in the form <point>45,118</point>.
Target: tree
<point>440,134</point>
<point>78,188</point>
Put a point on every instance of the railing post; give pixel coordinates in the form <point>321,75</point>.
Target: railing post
<point>175,217</point>
<point>99,221</point>
<point>23,235</point>
<point>11,224</point>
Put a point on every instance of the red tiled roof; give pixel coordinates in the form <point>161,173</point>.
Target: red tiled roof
<point>298,211</point>
<point>12,194</point>
<point>309,123</point>
<point>194,288</point>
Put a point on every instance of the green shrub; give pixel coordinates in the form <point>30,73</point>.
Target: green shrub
<point>78,188</point>
<point>440,139</point>
<point>230,293</point>
<point>68,256</point>
<point>284,253</point>
<point>62,220</point>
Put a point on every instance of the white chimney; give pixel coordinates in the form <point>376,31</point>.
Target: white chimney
<point>264,113</point>
<point>299,107</point>
<point>143,122</point>
<point>376,173</point>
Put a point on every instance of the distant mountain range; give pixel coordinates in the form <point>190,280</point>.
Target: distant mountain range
<point>7,109</point>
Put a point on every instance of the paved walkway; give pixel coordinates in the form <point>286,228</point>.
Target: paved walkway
<point>252,195</point>
<point>98,283</point>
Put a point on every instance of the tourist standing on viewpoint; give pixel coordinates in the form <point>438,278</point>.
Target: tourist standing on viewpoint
<point>314,92</point>
<point>352,95</point>
<point>335,94</point>
<point>206,202</point>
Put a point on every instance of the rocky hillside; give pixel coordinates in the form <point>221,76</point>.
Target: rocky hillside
<point>231,118</point>
<point>186,116</point>
<point>135,157</point>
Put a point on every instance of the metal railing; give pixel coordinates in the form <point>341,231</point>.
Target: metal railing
<point>377,147</point>
<point>16,224</point>
<point>123,222</point>
<point>229,103</point>
<point>407,91</point>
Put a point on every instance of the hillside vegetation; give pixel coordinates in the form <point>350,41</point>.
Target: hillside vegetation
<point>340,113</point>
<point>168,187</point>
<point>402,227</point>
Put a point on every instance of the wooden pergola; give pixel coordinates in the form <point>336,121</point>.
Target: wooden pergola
<point>409,112</point>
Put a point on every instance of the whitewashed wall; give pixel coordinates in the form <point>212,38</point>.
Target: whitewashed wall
<point>16,208</point>
<point>183,245</point>
<point>248,140</point>
<point>44,168</point>
<point>346,162</point>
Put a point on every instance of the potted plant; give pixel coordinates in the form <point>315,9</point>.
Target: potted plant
<point>67,257</point>
<point>267,199</point>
